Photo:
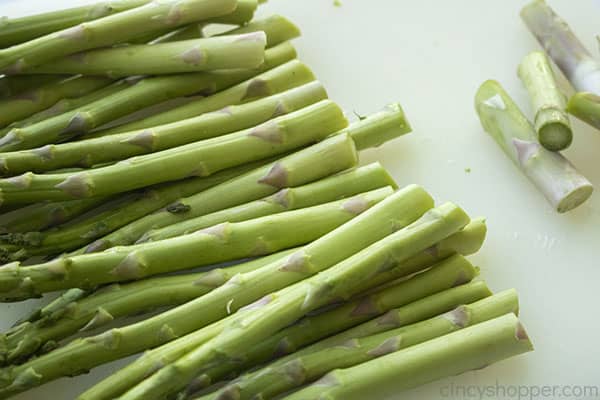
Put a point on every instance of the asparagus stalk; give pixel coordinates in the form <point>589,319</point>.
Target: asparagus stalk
<point>145,93</point>
<point>335,187</point>
<point>76,314</point>
<point>111,216</point>
<point>278,30</point>
<point>586,107</point>
<point>550,172</point>
<point>551,120</point>
<point>279,309</point>
<point>561,44</point>
<point>16,84</point>
<point>398,210</point>
<point>110,30</point>
<point>121,146</point>
<point>225,52</point>
<point>316,327</point>
<point>202,158</point>
<point>297,169</point>
<point>468,349</point>
<point>297,369</point>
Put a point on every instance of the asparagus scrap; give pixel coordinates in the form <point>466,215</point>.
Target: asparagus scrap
<point>279,309</point>
<point>110,30</point>
<point>551,119</point>
<point>145,93</point>
<point>294,170</point>
<point>468,349</point>
<point>80,314</point>
<point>225,52</point>
<point>551,173</point>
<point>120,146</point>
<point>342,352</point>
<point>561,44</point>
<point>397,211</point>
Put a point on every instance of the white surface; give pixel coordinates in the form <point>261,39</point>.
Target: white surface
<point>431,56</point>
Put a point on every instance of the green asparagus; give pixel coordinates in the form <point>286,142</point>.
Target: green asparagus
<point>586,107</point>
<point>468,349</point>
<point>551,120</point>
<point>17,84</point>
<point>121,146</point>
<point>550,172</point>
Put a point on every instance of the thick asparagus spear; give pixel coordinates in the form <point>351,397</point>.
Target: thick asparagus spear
<point>397,211</point>
<point>335,187</point>
<point>117,301</point>
<point>275,311</point>
<point>224,52</point>
<point>550,172</point>
<point>110,30</point>
<point>294,170</point>
<point>561,44</point>
<point>551,119</point>
<point>469,349</point>
<point>145,93</point>
<point>312,363</point>
<point>28,103</point>
<point>120,146</point>
<point>110,216</point>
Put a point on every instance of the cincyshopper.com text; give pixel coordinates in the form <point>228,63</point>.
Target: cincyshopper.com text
<point>519,392</point>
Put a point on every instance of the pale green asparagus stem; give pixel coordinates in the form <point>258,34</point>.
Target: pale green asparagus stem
<point>313,328</point>
<point>275,311</point>
<point>468,349</point>
<point>389,123</point>
<point>586,107</point>
<point>549,104</point>
<point>397,211</point>
<point>551,173</point>
<point>312,363</point>
<point>335,187</point>
<point>110,30</point>
<point>120,146</point>
<point>116,301</point>
<point>147,92</point>
<point>225,52</point>
<point>561,44</point>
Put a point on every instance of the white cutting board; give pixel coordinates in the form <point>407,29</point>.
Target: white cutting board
<point>431,56</point>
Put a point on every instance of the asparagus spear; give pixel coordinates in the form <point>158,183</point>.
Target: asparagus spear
<point>110,216</point>
<point>279,309</point>
<point>121,146</point>
<point>550,172</point>
<point>17,84</point>
<point>145,93</point>
<point>312,363</point>
<point>335,187</point>
<point>551,120</point>
<point>110,30</point>
<point>468,349</point>
<point>76,314</point>
<point>294,170</point>
<point>225,52</point>
<point>397,211</point>
<point>561,44</point>
<point>586,107</point>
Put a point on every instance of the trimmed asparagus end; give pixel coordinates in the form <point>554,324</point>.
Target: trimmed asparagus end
<point>555,136</point>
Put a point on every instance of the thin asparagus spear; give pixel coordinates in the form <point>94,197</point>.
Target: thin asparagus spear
<point>561,44</point>
<point>398,210</point>
<point>550,172</point>
<point>312,363</point>
<point>294,170</point>
<point>145,93</point>
<point>14,85</point>
<point>224,52</point>
<point>110,30</point>
<point>202,158</point>
<point>334,187</point>
<point>586,107</point>
<point>468,349</point>
<point>275,311</point>
<point>110,216</point>
<point>551,119</point>
<point>78,314</point>
<point>125,145</point>
<point>314,328</point>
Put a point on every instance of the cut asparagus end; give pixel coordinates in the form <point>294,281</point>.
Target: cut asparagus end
<point>586,107</point>
<point>381,127</point>
<point>555,136</point>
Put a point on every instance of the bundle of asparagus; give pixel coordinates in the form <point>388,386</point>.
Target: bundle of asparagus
<point>328,264</point>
